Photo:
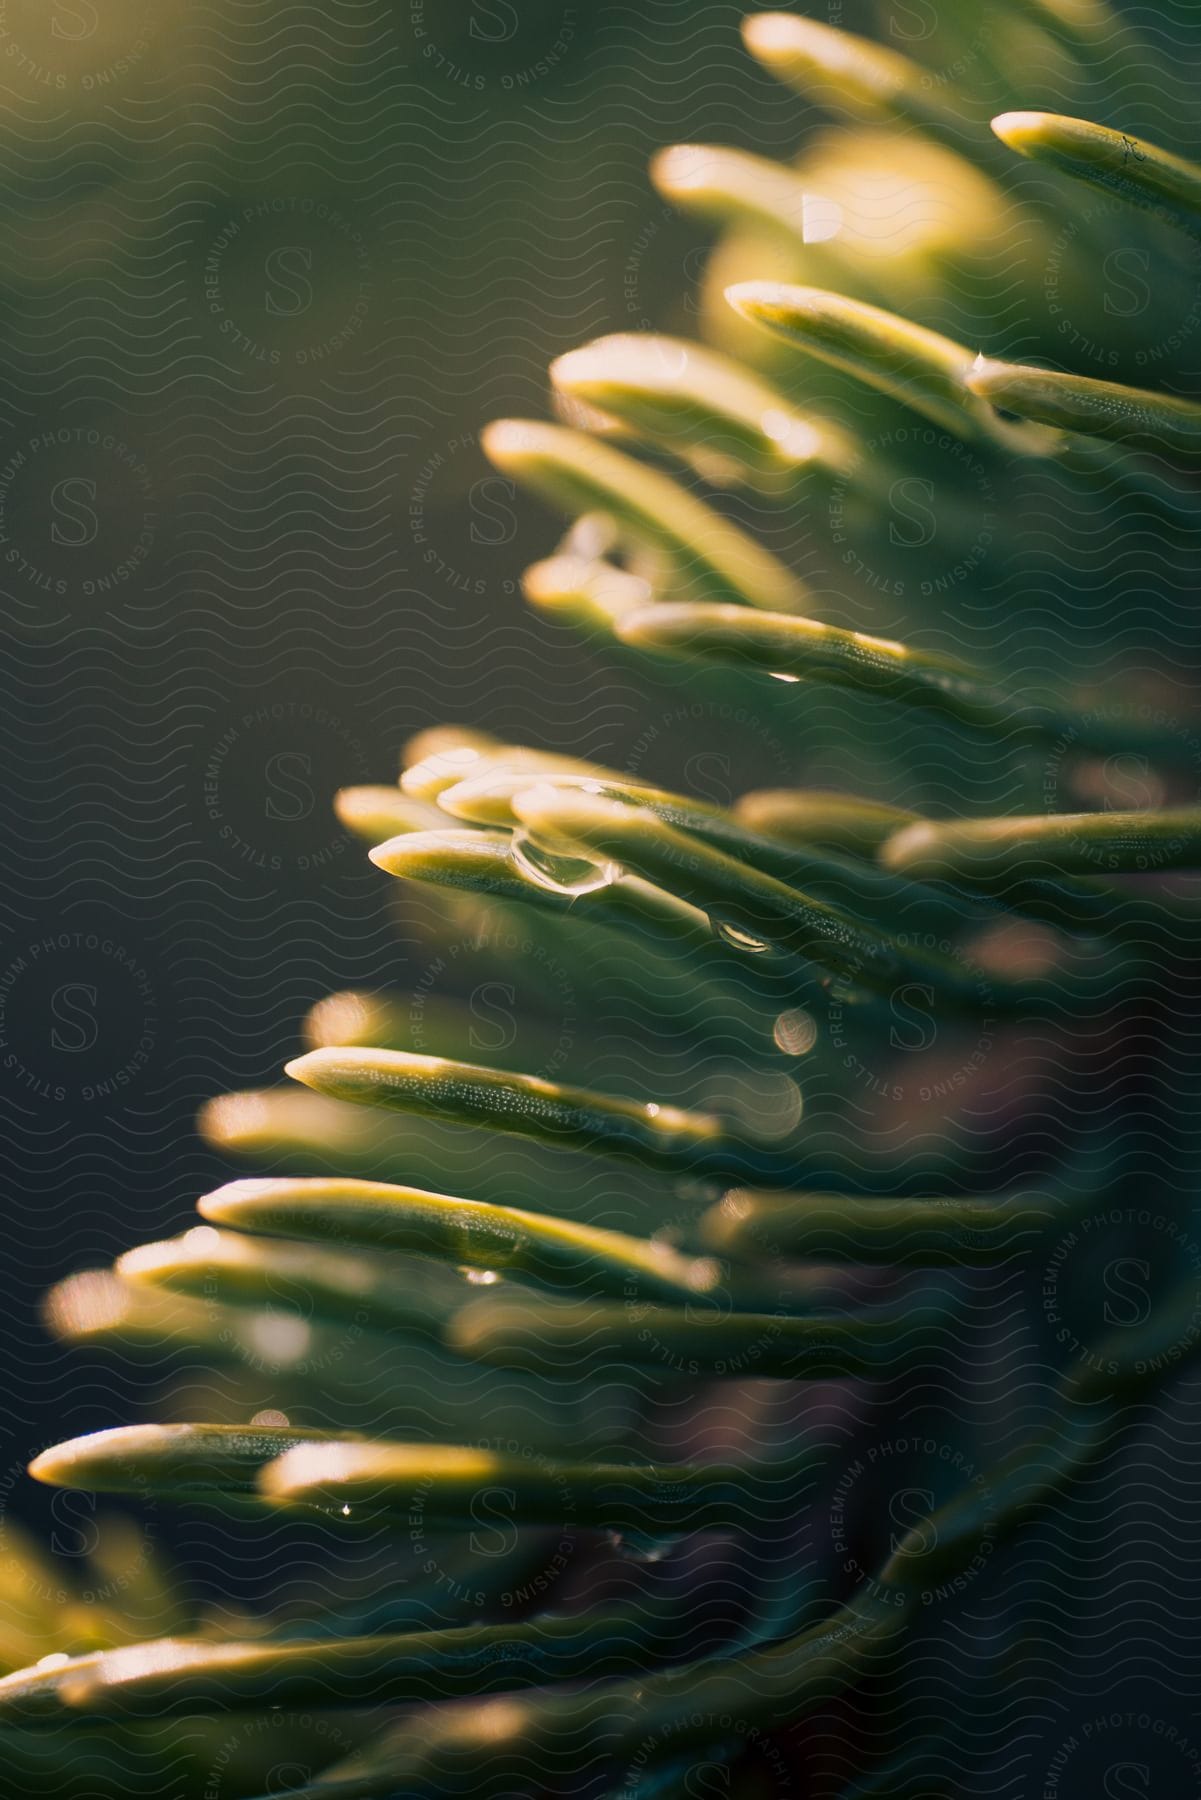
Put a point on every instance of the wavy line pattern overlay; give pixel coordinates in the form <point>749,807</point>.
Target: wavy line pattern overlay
<point>698,1273</point>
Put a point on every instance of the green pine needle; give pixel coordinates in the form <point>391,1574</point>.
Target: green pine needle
<point>466,1094</point>
<point>585,1258</point>
<point>1121,164</point>
<point>580,475</point>
<point>1100,409</point>
<point>989,852</point>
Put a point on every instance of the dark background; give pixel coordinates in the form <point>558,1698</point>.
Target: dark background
<point>267,272</point>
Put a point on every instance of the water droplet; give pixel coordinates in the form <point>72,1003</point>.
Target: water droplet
<point>795,1032</point>
<point>704,1273</point>
<point>481,1277</point>
<point>558,873</point>
<point>768,1106</point>
<point>822,219</point>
